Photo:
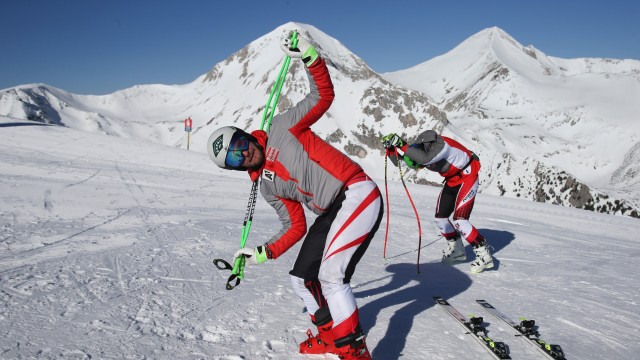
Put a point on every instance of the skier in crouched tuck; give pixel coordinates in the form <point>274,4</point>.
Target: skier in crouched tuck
<point>297,167</point>
<point>460,168</point>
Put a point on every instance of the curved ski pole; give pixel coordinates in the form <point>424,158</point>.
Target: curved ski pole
<point>386,194</point>
<point>414,210</point>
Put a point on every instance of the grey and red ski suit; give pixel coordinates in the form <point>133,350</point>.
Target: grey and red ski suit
<point>301,168</point>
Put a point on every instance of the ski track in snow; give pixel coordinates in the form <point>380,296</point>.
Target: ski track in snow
<point>106,253</point>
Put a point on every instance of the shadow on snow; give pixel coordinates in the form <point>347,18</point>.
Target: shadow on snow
<point>435,279</point>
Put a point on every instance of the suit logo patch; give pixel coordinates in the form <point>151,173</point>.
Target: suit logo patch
<point>469,196</point>
<point>272,154</point>
<point>268,175</point>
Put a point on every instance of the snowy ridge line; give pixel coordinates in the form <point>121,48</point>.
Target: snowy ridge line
<point>498,350</point>
<point>528,335</point>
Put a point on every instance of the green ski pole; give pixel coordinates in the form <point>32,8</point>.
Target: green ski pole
<point>237,271</point>
<point>270,108</point>
<point>238,265</point>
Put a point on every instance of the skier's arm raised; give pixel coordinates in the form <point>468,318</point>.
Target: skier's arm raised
<point>320,97</point>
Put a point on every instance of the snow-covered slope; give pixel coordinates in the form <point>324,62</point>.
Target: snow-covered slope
<point>546,129</point>
<point>106,246</point>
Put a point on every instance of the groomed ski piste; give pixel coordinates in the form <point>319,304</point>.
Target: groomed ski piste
<point>106,248</point>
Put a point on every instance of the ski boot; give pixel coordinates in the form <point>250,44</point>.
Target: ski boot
<point>322,343</point>
<point>483,259</point>
<point>454,251</point>
<point>353,346</point>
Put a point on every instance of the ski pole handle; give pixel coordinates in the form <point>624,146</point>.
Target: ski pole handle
<point>238,267</point>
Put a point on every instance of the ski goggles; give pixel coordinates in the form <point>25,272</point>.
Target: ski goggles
<point>238,144</point>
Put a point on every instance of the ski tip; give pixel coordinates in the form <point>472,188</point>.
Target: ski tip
<point>440,300</point>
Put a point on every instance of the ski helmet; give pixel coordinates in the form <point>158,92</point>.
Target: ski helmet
<point>218,145</point>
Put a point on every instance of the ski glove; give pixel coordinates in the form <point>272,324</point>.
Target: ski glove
<point>255,256</point>
<point>303,50</point>
<point>395,159</point>
<point>410,163</point>
<point>392,140</point>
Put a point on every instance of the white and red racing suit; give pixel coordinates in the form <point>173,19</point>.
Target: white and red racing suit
<point>301,168</point>
<point>460,168</point>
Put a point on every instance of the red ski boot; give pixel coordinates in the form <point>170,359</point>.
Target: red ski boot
<point>354,352</point>
<point>317,344</point>
<point>353,346</point>
<point>323,342</point>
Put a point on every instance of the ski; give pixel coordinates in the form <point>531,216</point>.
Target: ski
<point>473,327</point>
<point>525,330</point>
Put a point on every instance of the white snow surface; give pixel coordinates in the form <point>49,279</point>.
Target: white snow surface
<point>106,246</point>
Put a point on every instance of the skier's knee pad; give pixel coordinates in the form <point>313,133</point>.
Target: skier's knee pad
<point>445,226</point>
<point>462,225</point>
<point>467,230</point>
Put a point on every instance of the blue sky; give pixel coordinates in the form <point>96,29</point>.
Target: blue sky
<point>98,47</point>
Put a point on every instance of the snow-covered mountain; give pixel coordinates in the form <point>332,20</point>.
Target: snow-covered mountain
<point>544,127</point>
<point>552,130</point>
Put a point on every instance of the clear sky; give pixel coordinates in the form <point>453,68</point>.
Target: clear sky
<point>98,47</point>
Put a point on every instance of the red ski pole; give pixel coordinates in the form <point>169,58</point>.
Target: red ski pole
<point>386,194</point>
<point>395,152</point>
<point>417,216</point>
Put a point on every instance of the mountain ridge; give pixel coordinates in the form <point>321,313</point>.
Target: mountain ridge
<point>490,105</point>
